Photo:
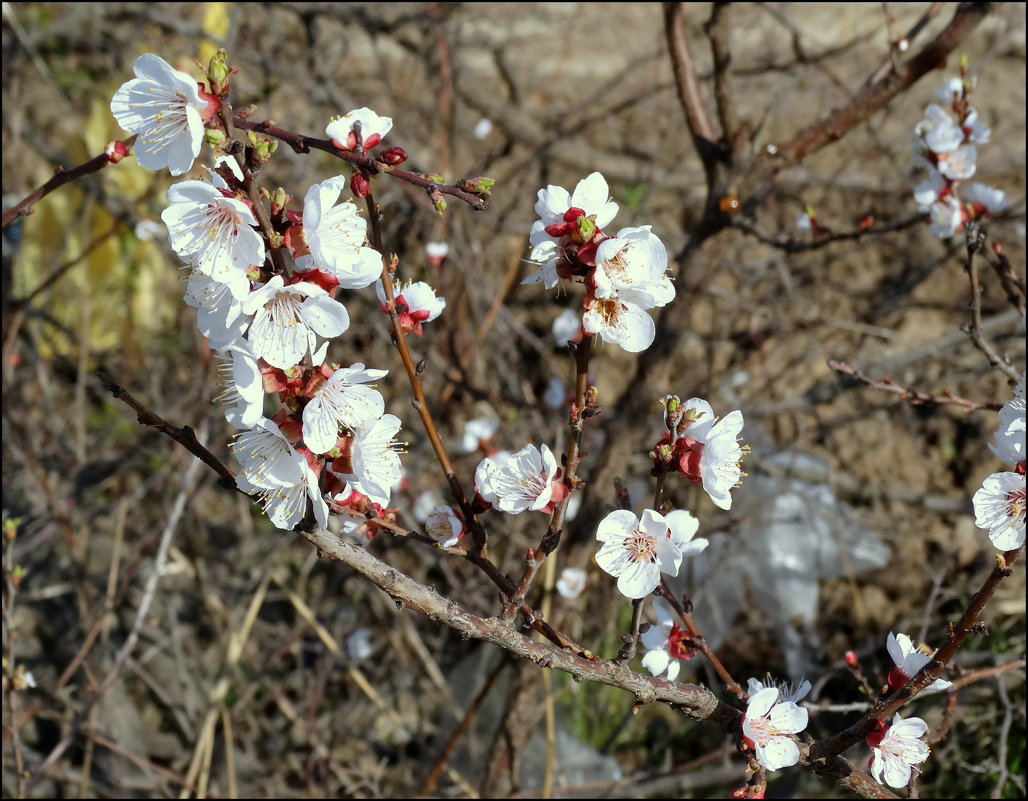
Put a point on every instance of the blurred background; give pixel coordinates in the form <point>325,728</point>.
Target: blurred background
<point>855,519</point>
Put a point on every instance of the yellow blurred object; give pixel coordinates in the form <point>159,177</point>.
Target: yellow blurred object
<point>216,21</point>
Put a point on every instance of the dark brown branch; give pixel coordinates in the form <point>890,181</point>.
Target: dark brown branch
<point>718,31</point>
<point>183,436</point>
<point>60,178</point>
<point>876,94</point>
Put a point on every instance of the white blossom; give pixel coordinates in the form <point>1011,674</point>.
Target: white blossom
<point>289,319</point>
<point>636,551</point>
<point>767,723</point>
<point>166,109</point>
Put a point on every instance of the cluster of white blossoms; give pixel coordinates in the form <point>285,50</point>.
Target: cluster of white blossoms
<point>946,144</point>
<point>330,444</point>
<point>999,505</point>
<point>703,447</point>
<point>625,275</point>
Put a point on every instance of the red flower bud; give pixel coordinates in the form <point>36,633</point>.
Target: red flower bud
<point>359,184</point>
<point>393,156</point>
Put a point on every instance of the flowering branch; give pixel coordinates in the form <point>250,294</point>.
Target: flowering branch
<point>303,144</point>
<point>969,622</point>
<point>580,410</point>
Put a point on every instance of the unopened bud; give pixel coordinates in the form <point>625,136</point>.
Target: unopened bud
<point>115,151</point>
<point>262,148</point>
<point>218,72</point>
<point>479,186</point>
<point>216,139</point>
<point>852,659</point>
<point>359,184</point>
<point>435,178</point>
<point>279,198</point>
<point>393,156</point>
<point>438,201</point>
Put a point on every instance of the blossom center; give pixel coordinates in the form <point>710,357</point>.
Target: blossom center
<point>641,547</point>
<point>1014,504</point>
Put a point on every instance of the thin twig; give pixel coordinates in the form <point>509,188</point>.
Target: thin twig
<point>551,537</point>
<point>791,245</point>
<point>60,178</point>
<point>302,143</point>
<point>915,397</point>
<point>975,243</point>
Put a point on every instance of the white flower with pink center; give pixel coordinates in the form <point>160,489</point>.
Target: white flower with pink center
<point>636,551</point>
<point>945,217</point>
<point>375,460</point>
<point>896,752</point>
<point>212,232</point>
<point>167,110</point>
<point>999,507</point>
<point>591,197</point>
<point>767,725</point>
<point>289,319</point>
<point>243,395</point>
<point>669,643</point>
<point>571,583</point>
<point>266,457</point>
<point>619,323</point>
<point>960,163</point>
<point>343,130</point>
<point>478,433</point>
<point>709,451</point>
